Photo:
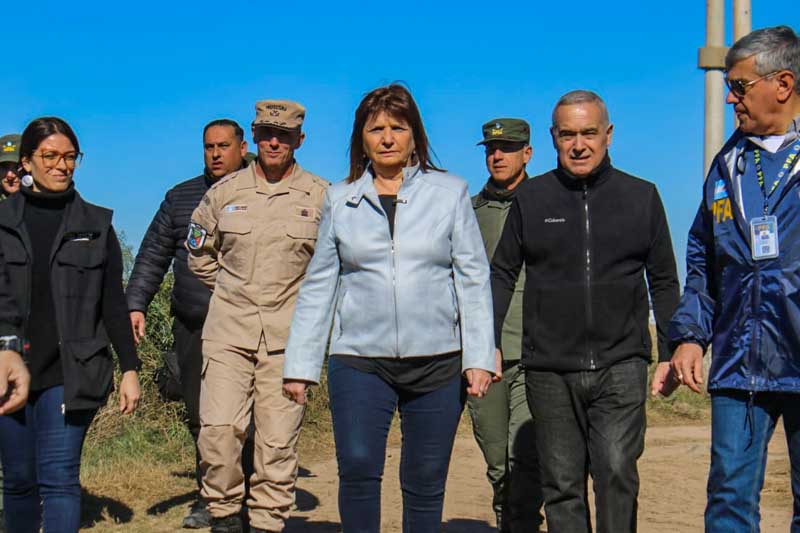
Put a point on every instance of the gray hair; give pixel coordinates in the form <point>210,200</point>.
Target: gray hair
<point>774,49</point>
<point>582,96</point>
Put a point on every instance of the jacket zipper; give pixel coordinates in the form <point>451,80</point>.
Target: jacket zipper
<point>394,294</point>
<point>588,275</point>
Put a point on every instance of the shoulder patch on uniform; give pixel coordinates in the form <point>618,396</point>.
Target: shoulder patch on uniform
<point>197,236</point>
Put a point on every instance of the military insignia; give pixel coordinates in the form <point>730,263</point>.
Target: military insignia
<point>274,113</point>
<point>497,130</point>
<point>206,199</point>
<point>9,146</point>
<point>305,212</point>
<point>235,208</point>
<point>197,236</point>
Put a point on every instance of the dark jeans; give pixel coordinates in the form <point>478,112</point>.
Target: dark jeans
<point>362,405</point>
<point>41,450</point>
<point>590,422</point>
<point>188,345</point>
<point>740,434</point>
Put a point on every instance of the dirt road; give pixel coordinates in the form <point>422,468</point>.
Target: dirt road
<point>673,473</point>
<point>672,497</point>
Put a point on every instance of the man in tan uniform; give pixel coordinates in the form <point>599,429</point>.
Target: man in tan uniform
<point>250,241</point>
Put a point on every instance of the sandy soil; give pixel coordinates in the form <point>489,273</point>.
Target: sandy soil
<point>672,496</point>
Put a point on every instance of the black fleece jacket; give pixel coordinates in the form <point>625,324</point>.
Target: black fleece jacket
<point>586,245</point>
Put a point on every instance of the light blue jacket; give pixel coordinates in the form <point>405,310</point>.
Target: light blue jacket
<point>423,293</point>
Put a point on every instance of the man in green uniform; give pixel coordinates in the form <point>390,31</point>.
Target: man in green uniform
<point>9,167</point>
<point>502,421</point>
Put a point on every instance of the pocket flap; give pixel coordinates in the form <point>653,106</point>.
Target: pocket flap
<point>81,254</point>
<point>14,253</point>
<point>84,349</point>
<point>302,230</point>
<point>235,224</point>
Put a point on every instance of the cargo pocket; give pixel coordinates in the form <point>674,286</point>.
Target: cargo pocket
<point>88,370</point>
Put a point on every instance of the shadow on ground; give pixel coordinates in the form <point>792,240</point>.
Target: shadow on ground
<point>468,525</point>
<point>96,509</point>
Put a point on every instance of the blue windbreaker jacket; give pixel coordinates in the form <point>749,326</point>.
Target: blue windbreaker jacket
<point>749,311</point>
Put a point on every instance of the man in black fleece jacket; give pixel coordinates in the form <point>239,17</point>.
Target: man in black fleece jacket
<point>225,151</point>
<point>587,233</point>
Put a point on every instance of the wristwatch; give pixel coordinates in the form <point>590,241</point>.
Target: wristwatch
<point>13,343</point>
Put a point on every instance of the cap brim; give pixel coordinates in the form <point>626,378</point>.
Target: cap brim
<point>503,139</point>
<point>9,158</point>
<point>276,126</point>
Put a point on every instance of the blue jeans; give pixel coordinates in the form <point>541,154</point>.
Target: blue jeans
<point>41,453</point>
<point>741,428</point>
<point>362,405</point>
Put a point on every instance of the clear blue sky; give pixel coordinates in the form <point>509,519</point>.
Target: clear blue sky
<point>138,81</point>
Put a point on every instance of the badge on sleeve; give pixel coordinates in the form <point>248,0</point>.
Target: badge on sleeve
<point>197,236</point>
<point>764,237</point>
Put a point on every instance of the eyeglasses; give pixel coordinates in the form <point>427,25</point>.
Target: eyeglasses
<point>51,159</point>
<point>740,87</point>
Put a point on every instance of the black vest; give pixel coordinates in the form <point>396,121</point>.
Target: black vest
<point>77,264</point>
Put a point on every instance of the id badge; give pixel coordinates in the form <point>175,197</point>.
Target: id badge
<point>764,237</point>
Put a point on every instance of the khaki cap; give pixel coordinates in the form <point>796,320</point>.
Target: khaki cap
<point>283,114</point>
<point>9,148</point>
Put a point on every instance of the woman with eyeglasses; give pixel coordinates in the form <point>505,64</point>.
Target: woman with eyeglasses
<point>401,270</point>
<point>64,266</point>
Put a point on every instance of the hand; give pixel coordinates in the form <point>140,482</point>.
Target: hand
<point>664,380</point>
<point>295,390</point>
<point>138,325</point>
<point>478,381</point>
<point>14,382</point>
<point>129,392</point>
<point>687,364</point>
<point>498,365</point>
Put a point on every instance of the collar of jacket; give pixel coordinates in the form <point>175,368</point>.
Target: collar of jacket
<point>595,177</point>
<point>14,205</point>
<point>365,187</point>
<point>492,192</point>
<point>297,179</point>
<point>211,179</point>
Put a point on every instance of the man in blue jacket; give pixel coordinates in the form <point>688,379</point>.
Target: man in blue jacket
<point>742,290</point>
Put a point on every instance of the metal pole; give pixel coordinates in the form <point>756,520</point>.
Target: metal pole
<point>712,60</point>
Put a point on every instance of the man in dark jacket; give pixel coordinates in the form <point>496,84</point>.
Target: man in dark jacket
<point>742,284</point>
<point>501,420</point>
<point>586,234</point>
<point>225,150</point>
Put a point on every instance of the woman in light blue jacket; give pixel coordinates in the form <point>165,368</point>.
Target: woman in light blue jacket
<point>401,270</point>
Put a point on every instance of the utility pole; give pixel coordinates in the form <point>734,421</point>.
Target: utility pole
<point>742,19</point>
<point>711,58</point>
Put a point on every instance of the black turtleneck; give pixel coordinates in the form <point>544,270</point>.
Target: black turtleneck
<point>42,217</point>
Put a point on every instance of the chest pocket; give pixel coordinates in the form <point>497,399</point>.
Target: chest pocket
<point>233,239</point>
<point>302,241</point>
<point>302,230</point>
<point>14,252</point>
<point>81,269</point>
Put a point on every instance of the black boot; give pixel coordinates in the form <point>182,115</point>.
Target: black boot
<point>226,524</point>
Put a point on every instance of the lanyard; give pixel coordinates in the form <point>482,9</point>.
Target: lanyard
<point>781,173</point>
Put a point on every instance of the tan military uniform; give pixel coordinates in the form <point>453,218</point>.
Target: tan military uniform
<point>251,242</point>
